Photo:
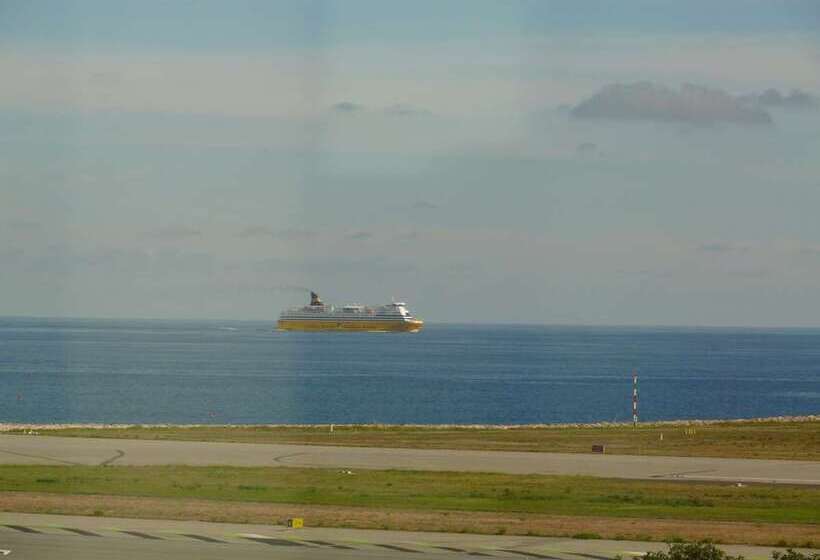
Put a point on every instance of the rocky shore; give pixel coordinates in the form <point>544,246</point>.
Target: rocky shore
<point>12,427</point>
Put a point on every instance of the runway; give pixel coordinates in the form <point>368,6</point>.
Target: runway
<point>48,450</point>
<point>37,537</point>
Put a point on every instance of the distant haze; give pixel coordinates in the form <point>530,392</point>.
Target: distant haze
<point>526,162</point>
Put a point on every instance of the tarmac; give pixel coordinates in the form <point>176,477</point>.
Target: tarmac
<point>52,450</point>
<point>38,537</point>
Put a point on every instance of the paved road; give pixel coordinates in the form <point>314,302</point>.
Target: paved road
<point>48,450</point>
<point>36,537</point>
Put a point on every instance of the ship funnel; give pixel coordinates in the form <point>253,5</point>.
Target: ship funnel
<point>314,299</point>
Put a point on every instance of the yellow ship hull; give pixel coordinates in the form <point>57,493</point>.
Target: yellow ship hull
<point>413,325</point>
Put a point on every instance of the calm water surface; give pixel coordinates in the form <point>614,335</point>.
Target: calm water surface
<point>72,370</point>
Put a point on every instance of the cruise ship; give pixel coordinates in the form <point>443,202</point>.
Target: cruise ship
<point>318,316</point>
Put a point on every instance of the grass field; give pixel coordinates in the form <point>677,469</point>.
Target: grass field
<point>411,490</point>
<point>752,439</point>
<point>580,507</point>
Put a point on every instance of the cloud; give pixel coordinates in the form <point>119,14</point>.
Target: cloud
<point>407,236</point>
<point>360,235</point>
<point>347,107</point>
<point>288,234</point>
<point>402,110</point>
<point>293,234</point>
<point>105,79</point>
<point>654,102</point>
<point>586,150</point>
<point>396,110</point>
<point>24,225</point>
<point>292,288</point>
<point>753,273</point>
<point>20,230</point>
<point>796,99</point>
<point>256,231</point>
<point>720,247</point>
<point>176,233</point>
<point>424,205</point>
<point>809,250</point>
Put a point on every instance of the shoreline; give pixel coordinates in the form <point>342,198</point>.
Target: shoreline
<point>11,426</point>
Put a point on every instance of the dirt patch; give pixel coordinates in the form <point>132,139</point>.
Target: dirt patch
<point>770,534</point>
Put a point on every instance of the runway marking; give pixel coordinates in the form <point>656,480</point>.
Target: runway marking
<point>142,535</point>
<point>119,455</point>
<point>462,551</point>
<point>681,474</point>
<point>80,532</point>
<point>807,481</point>
<point>23,529</point>
<point>203,538</point>
<point>275,542</point>
<point>254,536</point>
<point>530,554</point>
<point>334,545</point>
<point>397,547</point>
<point>280,458</point>
<point>30,456</point>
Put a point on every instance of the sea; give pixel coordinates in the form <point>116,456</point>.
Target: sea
<point>240,372</point>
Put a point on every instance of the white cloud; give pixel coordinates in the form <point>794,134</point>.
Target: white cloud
<point>234,85</point>
<point>256,231</point>
<point>517,73</point>
<point>404,110</point>
<point>721,247</point>
<point>359,235</point>
<point>176,233</point>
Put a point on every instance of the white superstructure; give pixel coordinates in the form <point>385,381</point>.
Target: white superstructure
<point>319,316</point>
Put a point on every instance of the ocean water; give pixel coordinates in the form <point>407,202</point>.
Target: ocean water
<point>135,371</point>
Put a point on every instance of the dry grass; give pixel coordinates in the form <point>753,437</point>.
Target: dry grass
<point>760,439</point>
<point>445,521</point>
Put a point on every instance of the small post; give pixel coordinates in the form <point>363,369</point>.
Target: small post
<point>634,398</point>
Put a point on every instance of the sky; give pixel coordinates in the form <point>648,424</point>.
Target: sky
<point>561,162</point>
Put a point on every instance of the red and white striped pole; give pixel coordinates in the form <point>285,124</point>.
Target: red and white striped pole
<point>634,398</point>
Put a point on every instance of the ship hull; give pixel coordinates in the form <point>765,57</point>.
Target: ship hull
<point>413,325</point>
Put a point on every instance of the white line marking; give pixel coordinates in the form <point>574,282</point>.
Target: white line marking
<point>255,536</point>
<point>751,479</point>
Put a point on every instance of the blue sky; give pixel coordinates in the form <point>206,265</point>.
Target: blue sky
<point>215,26</point>
<point>555,162</point>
